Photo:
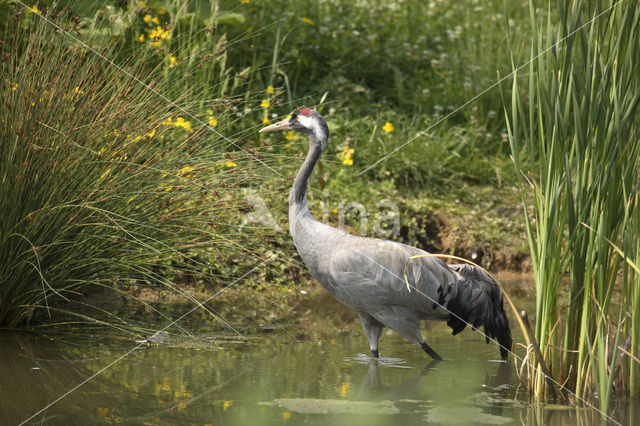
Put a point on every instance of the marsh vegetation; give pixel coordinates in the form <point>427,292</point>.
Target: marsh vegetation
<point>131,166</point>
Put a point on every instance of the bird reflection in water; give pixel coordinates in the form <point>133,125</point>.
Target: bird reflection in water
<point>488,401</point>
<point>372,388</point>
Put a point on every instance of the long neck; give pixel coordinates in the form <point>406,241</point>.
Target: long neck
<point>298,196</point>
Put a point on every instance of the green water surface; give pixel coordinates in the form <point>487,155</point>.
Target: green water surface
<point>270,378</point>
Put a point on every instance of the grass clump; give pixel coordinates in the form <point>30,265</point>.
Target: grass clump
<point>102,183</point>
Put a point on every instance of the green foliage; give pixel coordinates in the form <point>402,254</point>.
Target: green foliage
<point>102,183</point>
<point>574,137</point>
<point>100,188</point>
<point>414,57</point>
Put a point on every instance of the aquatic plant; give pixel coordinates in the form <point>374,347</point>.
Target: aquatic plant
<point>574,136</point>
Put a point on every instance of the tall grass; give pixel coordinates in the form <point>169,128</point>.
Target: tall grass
<point>104,183</point>
<point>573,130</point>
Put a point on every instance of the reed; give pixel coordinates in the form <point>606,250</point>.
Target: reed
<point>573,131</point>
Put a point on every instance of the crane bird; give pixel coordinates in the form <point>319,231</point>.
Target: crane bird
<point>366,274</point>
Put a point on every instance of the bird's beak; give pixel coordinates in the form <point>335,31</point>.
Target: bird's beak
<point>276,127</point>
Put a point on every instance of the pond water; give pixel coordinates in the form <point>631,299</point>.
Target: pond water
<point>269,379</point>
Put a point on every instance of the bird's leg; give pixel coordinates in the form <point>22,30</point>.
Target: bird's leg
<point>430,351</point>
<point>373,330</point>
<point>405,323</point>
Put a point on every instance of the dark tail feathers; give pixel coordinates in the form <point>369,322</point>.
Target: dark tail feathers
<point>479,302</point>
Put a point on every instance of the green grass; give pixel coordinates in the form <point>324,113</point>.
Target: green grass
<point>574,137</point>
<point>102,183</point>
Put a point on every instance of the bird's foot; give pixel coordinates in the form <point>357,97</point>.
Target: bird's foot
<point>430,351</point>
<point>375,353</point>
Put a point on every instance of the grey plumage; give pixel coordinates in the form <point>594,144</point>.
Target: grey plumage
<point>366,274</point>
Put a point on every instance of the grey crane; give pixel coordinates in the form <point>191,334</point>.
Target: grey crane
<point>367,274</point>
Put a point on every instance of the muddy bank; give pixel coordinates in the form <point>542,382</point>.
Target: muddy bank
<point>486,226</point>
<point>505,254</point>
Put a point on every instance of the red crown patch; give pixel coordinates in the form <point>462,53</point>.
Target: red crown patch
<point>304,111</point>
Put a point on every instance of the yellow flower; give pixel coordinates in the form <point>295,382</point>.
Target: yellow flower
<point>151,133</point>
<point>105,173</point>
<point>169,188</point>
<point>264,103</point>
<point>231,163</point>
<point>270,90</point>
<point>158,35</point>
<point>185,169</point>
<point>347,151</point>
<point>181,122</point>
<point>141,38</point>
<point>265,120</point>
<point>308,21</point>
<point>172,61</point>
<point>154,39</point>
<point>344,389</point>
<point>146,18</point>
<point>244,1</point>
<point>290,135</point>
<point>185,172</point>
<point>213,122</point>
<point>388,127</point>
<point>334,211</point>
<point>155,20</point>
<point>35,9</point>
<point>345,155</point>
<point>286,415</point>
<point>78,90</point>
<point>226,404</point>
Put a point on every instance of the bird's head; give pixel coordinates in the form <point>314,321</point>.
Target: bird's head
<point>305,120</point>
